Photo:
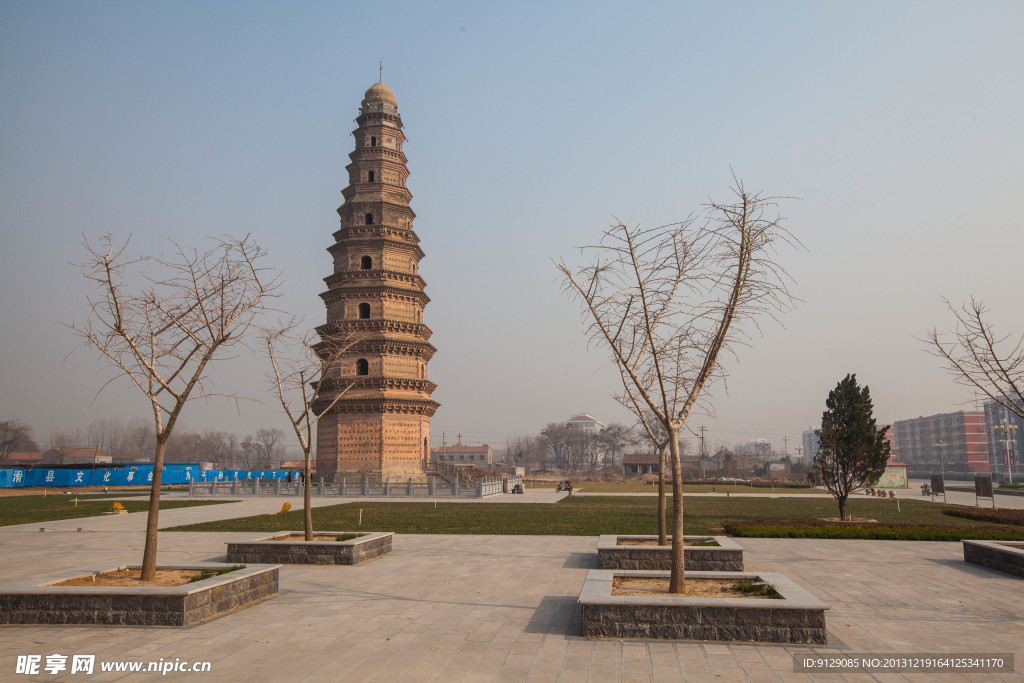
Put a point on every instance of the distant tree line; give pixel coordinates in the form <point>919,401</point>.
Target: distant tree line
<point>570,449</point>
<point>133,440</point>
<point>15,437</point>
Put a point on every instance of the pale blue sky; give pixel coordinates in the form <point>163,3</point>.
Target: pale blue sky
<point>529,124</point>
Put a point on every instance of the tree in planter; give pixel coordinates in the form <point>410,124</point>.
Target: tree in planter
<point>853,451</point>
<point>193,308</point>
<point>659,438</point>
<point>308,382</point>
<point>667,301</point>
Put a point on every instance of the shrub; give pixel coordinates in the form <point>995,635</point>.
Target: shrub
<point>759,588</point>
<point>885,532</point>
<point>994,516</point>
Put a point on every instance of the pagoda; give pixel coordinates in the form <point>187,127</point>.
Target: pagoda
<point>375,299</point>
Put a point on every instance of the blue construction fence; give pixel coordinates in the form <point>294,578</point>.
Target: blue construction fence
<point>127,474</point>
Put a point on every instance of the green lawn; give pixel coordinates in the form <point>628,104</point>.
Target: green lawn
<point>31,509</point>
<point>581,516</point>
<point>640,487</point>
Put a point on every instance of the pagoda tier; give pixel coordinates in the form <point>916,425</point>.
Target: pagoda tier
<point>380,422</point>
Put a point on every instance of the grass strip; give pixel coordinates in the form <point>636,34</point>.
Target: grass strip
<point>594,516</point>
<point>32,509</point>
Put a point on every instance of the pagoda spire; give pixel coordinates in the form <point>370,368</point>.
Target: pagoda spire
<point>375,297</point>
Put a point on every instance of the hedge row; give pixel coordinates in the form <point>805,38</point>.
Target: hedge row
<point>994,516</point>
<point>879,532</point>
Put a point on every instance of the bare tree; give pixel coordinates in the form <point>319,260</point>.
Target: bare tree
<point>266,444</point>
<point>139,438</point>
<point>525,451</point>
<point>308,381</point>
<point>659,437</point>
<point>979,357</point>
<point>667,301</point>
<point>106,434</point>
<point>67,438</point>
<point>249,454</point>
<point>216,448</point>
<point>612,441</point>
<point>15,436</point>
<point>193,308</point>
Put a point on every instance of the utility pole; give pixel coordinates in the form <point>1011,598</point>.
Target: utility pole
<point>785,446</point>
<point>703,474</point>
<point>1008,456</point>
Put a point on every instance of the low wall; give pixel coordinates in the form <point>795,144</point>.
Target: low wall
<point>356,489</point>
<point>798,617</point>
<point>37,602</point>
<point>1000,556</point>
<point>727,556</point>
<point>296,550</point>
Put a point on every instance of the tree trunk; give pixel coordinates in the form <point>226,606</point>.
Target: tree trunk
<point>662,531</point>
<point>307,513</point>
<point>842,508</point>
<point>152,520</point>
<point>677,581</point>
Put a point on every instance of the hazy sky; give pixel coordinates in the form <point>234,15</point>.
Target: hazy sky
<point>900,125</point>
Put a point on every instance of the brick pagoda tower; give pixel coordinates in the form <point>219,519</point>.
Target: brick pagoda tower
<point>381,425</point>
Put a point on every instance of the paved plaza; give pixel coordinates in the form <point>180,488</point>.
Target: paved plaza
<point>481,608</point>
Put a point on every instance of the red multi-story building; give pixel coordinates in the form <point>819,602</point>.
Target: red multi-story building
<point>956,442</point>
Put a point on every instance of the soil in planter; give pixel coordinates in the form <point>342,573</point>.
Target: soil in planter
<point>165,578</point>
<point>702,543</point>
<point>1018,546</point>
<point>695,588</point>
<point>318,538</point>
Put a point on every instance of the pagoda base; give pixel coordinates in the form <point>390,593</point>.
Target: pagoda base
<point>393,446</point>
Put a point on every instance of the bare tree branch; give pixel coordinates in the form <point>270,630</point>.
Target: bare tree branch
<point>980,358</point>
<point>667,301</point>
<point>299,378</point>
<point>193,308</point>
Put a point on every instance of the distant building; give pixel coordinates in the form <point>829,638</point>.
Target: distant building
<point>956,441</point>
<point>586,422</point>
<point>638,464</point>
<point>811,445</point>
<point>74,456</point>
<point>760,448</point>
<point>22,459</point>
<point>461,455</point>
<point>727,463</point>
<point>778,470</point>
<point>1003,449</point>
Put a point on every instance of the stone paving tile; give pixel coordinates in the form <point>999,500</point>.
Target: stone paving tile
<point>633,677</point>
<point>666,675</point>
<point>451,608</point>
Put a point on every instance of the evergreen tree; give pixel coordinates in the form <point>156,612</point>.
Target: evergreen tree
<point>853,450</point>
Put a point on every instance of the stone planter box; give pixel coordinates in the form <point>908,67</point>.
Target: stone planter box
<point>727,556</point>
<point>798,617</point>
<point>38,602</point>
<point>998,555</point>
<point>265,549</point>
